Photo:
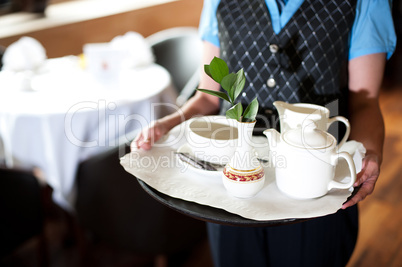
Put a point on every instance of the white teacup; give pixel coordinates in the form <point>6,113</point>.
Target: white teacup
<point>212,138</point>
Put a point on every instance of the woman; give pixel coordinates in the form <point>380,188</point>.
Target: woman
<point>312,51</point>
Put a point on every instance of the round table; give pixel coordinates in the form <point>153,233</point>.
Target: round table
<point>54,119</point>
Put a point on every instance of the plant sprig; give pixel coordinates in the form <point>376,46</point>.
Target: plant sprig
<point>233,85</point>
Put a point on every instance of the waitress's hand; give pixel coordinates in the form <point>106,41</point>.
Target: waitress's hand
<point>366,179</point>
<point>148,136</point>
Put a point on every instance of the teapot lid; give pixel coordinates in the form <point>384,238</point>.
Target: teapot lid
<point>308,137</point>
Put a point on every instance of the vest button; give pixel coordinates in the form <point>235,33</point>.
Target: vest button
<point>271,82</point>
<point>273,48</point>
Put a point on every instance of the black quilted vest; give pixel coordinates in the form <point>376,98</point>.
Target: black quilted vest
<point>306,62</point>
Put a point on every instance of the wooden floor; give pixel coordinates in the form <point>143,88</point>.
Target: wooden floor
<point>380,237</point>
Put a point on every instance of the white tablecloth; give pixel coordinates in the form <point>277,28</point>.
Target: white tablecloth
<point>68,117</point>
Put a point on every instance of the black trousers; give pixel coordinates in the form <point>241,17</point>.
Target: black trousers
<point>324,241</point>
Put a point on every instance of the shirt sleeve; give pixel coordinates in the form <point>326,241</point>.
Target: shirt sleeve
<point>373,30</point>
<point>208,27</point>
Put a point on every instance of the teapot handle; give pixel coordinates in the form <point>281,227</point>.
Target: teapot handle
<point>347,124</point>
<point>352,169</point>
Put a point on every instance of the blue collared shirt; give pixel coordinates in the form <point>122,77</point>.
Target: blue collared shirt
<point>372,32</point>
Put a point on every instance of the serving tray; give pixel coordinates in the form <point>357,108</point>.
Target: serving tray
<point>201,195</point>
<point>210,214</point>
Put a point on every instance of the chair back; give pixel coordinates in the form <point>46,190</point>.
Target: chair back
<point>21,209</point>
<point>2,50</point>
<point>112,206</point>
<point>179,51</point>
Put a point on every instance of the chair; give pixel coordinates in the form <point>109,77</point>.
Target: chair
<point>2,50</point>
<point>21,212</point>
<point>113,208</point>
<point>179,51</point>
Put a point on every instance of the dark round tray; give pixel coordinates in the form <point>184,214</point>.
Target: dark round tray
<point>210,214</point>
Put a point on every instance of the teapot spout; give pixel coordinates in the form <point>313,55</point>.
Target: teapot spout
<point>273,137</point>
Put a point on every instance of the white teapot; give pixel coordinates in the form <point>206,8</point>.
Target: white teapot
<point>305,159</point>
<point>292,116</point>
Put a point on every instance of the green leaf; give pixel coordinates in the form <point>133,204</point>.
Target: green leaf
<point>251,111</point>
<point>233,84</point>
<point>239,84</point>
<point>218,69</point>
<point>207,71</point>
<point>235,112</point>
<point>219,94</point>
<point>228,83</point>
